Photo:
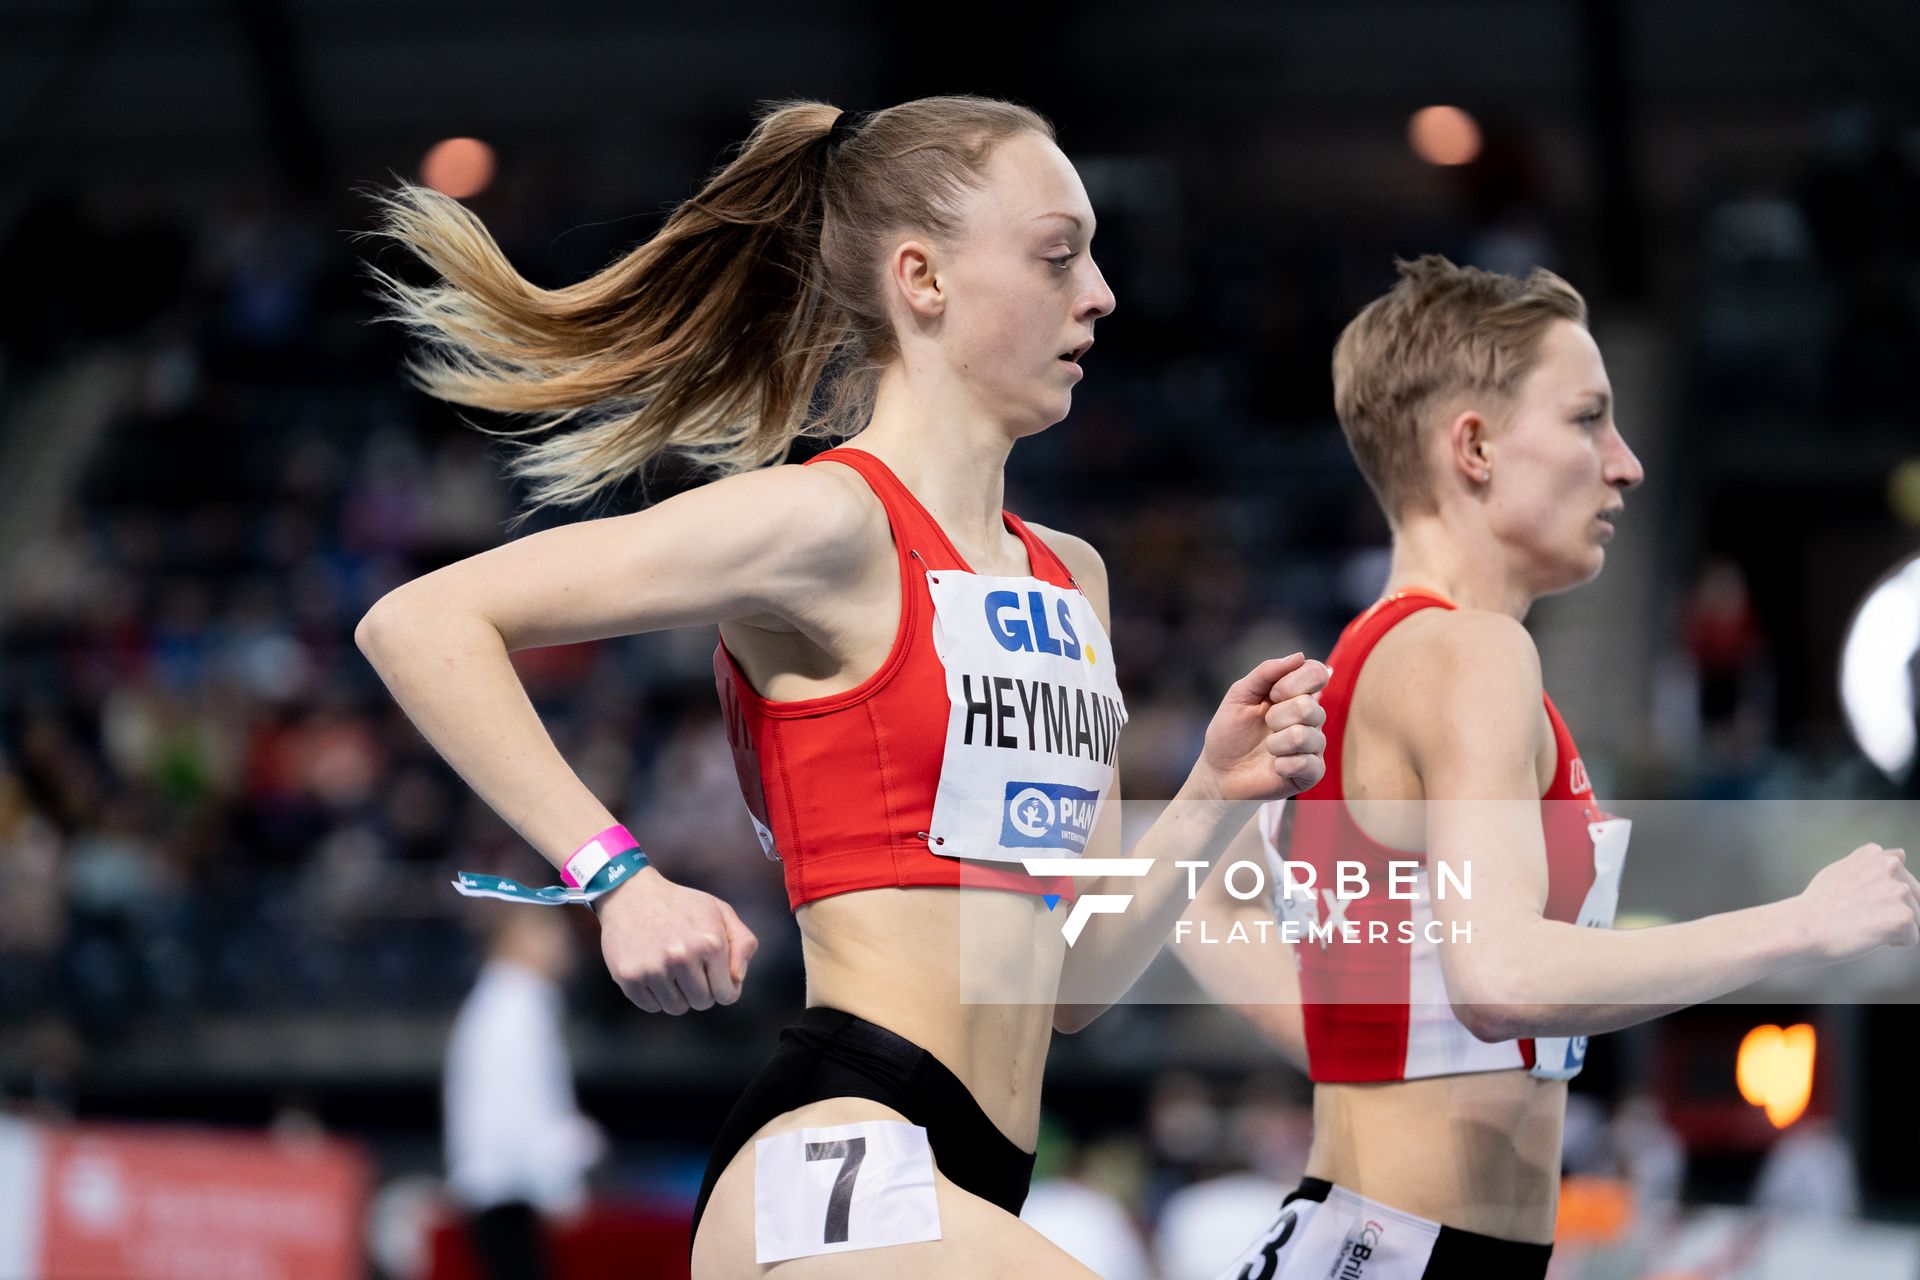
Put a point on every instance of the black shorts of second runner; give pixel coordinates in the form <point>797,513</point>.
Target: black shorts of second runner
<point>1326,1232</point>
<point>833,1054</point>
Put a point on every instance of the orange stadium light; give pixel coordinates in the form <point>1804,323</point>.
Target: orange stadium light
<point>1443,135</point>
<point>1775,1071</point>
<point>458,167</point>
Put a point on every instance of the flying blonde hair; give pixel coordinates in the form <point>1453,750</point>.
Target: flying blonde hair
<point>754,317</point>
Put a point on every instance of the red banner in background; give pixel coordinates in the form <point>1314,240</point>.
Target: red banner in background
<point>613,1240</point>
<point>162,1203</point>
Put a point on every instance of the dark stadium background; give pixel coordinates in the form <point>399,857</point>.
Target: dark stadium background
<point>224,853</point>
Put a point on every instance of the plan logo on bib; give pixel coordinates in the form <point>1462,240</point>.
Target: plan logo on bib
<point>1047,815</point>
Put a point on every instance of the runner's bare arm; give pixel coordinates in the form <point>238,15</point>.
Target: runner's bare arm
<point>1473,744</point>
<point>754,548</point>
<point>1264,742</point>
<point>1254,972</point>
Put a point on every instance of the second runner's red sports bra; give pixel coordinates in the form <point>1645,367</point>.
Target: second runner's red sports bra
<point>1373,997</point>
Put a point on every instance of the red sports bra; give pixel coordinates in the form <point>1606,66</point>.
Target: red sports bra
<point>1001,750</point>
<point>1377,1008</point>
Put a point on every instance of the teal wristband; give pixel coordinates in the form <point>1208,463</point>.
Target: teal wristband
<point>619,869</point>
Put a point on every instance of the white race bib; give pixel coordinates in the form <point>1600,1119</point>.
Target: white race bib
<point>1343,1235</point>
<point>1301,907</point>
<point>841,1188</point>
<point>1034,721</point>
<point>1561,1057</point>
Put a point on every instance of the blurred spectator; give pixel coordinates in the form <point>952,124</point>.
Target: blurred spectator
<point>1270,1130</point>
<point>518,1147</point>
<point>1239,1164</point>
<point>1183,1124</point>
<point>1585,1146</point>
<point>1204,1227</point>
<point>1714,698</point>
<point>1810,1172</point>
<point>33,907</point>
<point>1079,1201</point>
<point>1724,639</point>
<point>1649,1153</point>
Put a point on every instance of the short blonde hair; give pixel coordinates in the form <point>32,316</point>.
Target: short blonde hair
<point>1441,330</point>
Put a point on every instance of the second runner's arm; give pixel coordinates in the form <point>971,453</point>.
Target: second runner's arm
<point>1521,974</point>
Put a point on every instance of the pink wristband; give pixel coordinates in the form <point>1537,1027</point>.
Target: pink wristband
<point>583,863</point>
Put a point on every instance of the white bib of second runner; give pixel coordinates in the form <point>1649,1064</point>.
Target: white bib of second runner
<point>1035,716</point>
<point>1561,1057</point>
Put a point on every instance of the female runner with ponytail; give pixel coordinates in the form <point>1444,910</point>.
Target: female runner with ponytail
<point>918,686</point>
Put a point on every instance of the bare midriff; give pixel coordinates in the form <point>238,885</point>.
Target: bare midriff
<point>1479,1151</point>
<point>969,975</point>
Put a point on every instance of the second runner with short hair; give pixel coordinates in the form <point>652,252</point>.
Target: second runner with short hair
<point>1479,410</point>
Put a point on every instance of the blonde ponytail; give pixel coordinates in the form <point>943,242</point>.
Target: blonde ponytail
<point>711,340</point>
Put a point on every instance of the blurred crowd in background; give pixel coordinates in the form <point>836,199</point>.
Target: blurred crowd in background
<point>211,811</point>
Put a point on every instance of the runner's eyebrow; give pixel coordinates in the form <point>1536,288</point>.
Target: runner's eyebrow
<point>1074,218</point>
